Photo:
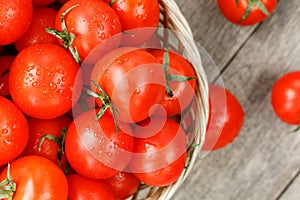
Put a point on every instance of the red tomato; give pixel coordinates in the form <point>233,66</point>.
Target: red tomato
<point>91,23</point>
<point>134,81</point>
<point>226,118</point>
<point>38,128</point>
<point>36,178</point>
<point>42,18</point>
<point>5,63</point>
<point>13,131</point>
<point>236,11</point>
<point>285,98</point>
<point>123,185</point>
<point>42,2</point>
<point>94,149</point>
<point>15,17</point>
<point>136,14</point>
<point>43,81</point>
<point>82,188</point>
<point>183,91</point>
<point>159,159</point>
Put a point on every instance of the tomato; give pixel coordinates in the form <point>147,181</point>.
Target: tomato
<point>36,177</point>
<point>42,18</point>
<point>183,91</point>
<point>137,14</point>
<point>226,118</point>
<point>90,23</point>
<point>160,152</point>
<point>13,131</point>
<point>82,188</point>
<point>94,149</point>
<point>42,2</point>
<point>15,17</point>
<point>286,96</point>
<point>133,79</point>
<point>5,63</point>
<point>123,185</point>
<point>236,11</point>
<point>51,146</point>
<point>43,81</point>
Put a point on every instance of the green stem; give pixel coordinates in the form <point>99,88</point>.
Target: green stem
<point>7,186</point>
<point>112,2</point>
<point>252,3</point>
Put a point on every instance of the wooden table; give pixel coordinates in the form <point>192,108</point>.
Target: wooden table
<point>263,163</point>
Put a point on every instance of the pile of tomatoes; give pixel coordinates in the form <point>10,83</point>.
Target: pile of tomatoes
<point>86,112</point>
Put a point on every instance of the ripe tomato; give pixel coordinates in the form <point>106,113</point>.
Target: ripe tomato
<point>42,18</point>
<point>15,17</point>
<point>246,12</point>
<point>36,177</point>
<point>286,96</point>
<point>183,91</point>
<point>90,23</point>
<point>133,79</point>
<point>43,81</point>
<point>226,118</point>
<point>13,131</point>
<point>5,63</point>
<point>50,149</point>
<point>42,2</point>
<point>94,149</point>
<point>136,14</point>
<point>159,159</point>
<point>82,188</point>
<point>123,185</point>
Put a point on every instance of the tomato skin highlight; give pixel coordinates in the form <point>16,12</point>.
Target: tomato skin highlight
<point>234,13</point>
<point>45,81</point>
<point>226,118</point>
<point>285,98</point>
<point>15,17</point>
<point>13,131</point>
<point>82,188</point>
<point>37,178</point>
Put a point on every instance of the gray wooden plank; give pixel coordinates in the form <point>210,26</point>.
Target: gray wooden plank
<point>265,157</point>
<point>292,191</point>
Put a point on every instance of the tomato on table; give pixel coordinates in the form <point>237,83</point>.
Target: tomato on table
<point>5,64</point>
<point>13,131</point>
<point>246,12</point>
<point>225,120</point>
<point>83,188</point>
<point>285,98</point>
<point>45,81</point>
<point>15,18</point>
<point>33,177</point>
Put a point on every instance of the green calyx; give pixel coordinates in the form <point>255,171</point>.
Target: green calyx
<point>106,104</point>
<point>7,186</point>
<point>65,36</point>
<point>112,2</point>
<point>252,3</point>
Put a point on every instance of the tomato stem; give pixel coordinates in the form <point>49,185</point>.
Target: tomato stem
<point>112,2</point>
<point>237,3</point>
<point>5,72</point>
<point>252,3</point>
<point>106,103</point>
<point>65,36</point>
<point>7,186</point>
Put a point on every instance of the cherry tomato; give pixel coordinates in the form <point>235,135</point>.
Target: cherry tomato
<point>13,131</point>
<point>246,12</point>
<point>183,91</point>
<point>226,118</point>
<point>42,2</point>
<point>137,14</point>
<point>82,188</point>
<point>42,18</point>
<point>134,81</point>
<point>90,23</point>
<point>36,177</point>
<point>52,145</point>
<point>123,185</point>
<point>286,96</point>
<point>43,81</point>
<point>5,64</point>
<point>160,152</point>
<point>94,149</point>
<point>15,17</point>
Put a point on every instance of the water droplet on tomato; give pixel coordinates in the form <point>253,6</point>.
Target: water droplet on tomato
<point>6,142</point>
<point>35,84</point>
<point>108,154</point>
<point>4,131</point>
<point>137,91</point>
<point>53,86</point>
<point>63,79</point>
<point>1,25</point>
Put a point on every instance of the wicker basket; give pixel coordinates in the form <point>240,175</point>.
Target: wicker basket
<point>197,114</point>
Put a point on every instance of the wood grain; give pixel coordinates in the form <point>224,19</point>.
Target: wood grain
<point>263,160</point>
